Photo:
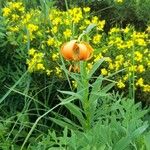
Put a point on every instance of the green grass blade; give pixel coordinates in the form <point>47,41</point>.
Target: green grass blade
<point>11,89</point>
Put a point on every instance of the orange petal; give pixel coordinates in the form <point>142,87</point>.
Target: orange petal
<point>67,50</point>
<point>85,51</point>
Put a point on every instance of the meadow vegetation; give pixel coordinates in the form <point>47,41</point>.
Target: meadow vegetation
<point>71,71</point>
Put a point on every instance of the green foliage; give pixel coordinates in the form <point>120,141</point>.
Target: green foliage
<point>118,128</point>
<point>83,113</point>
<point>134,12</point>
<point>88,96</point>
<point>108,120</point>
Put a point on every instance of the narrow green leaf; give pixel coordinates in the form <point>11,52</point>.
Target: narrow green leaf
<point>78,96</point>
<point>95,67</point>
<point>67,120</point>
<point>95,88</point>
<point>83,71</point>
<point>63,124</point>
<point>122,143</point>
<point>125,141</point>
<point>90,27</point>
<point>76,111</point>
<point>140,130</point>
<point>147,140</point>
<point>108,87</point>
<point>11,89</point>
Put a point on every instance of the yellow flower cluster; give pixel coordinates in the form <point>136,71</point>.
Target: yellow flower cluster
<point>50,41</point>
<point>36,63</point>
<point>119,1</point>
<point>140,83</point>
<point>67,33</point>
<point>32,28</point>
<point>97,38</point>
<point>13,7</point>
<point>64,26</point>
<point>127,50</point>
<point>122,48</point>
<point>76,14</point>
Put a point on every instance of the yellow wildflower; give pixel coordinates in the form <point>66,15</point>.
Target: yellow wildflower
<point>139,35</point>
<point>140,82</point>
<point>55,56</point>
<point>48,72</point>
<point>67,21</point>
<point>120,84</point>
<point>97,38</point>
<point>104,49</point>
<point>31,52</point>
<point>56,21</point>
<point>32,27</point>
<point>40,66</point>
<point>89,66</point>
<point>58,71</point>
<point>16,5</point>
<point>50,41</point>
<point>26,18</point>
<point>119,1</point>
<point>74,84</point>
<point>54,29</point>
<point>21,9</point>
<point>146,88</point>
<point>138,56</point>
<point>87,22</point>
<point>111,43</point>
<point>57,43</point>
<point>77,18</point>
<point>126,77</point>
<point>95,20</point>
<point>76,14</point>
<point>100,25</point>
<point>82,27</point>
<point>86,9</point>
<point>36,62</point>
<point>141,42</point>
<point>129,44</point>
<point>25,38</point>
<point>117,65</point>
<point>140,68</point>
<point>6,11</point>
<point>15,17</point>
<point>108,59</point>
<point>14,29</point>
<point>120,58</point>
<point>132,68</point>
<point>111,66</point>
<point>126,64</point>
<point>114,30</point>
<point>98,57</point>
<point>104,71</point>
<point>67,33</point>
<point>126,30</point>
<point>121,46</point>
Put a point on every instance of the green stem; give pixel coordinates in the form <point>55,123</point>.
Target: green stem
<point>34,125</point>
<point>64,67</point>
<point>39,118</point>
<point>11,89</point>
<point>66,3</point>
<point>85,102</point>
<point>79,38</point>
<point>133,76</point>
